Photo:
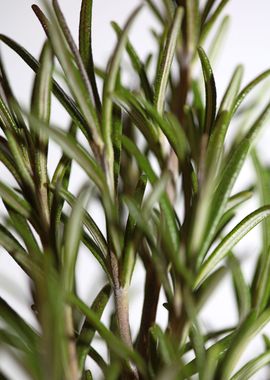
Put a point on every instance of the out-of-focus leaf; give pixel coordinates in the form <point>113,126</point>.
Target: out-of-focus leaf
<point>72,238</point>
<point>211,20</point>
<point>232,90</point>
<point>165,347</point>
<point>247,89</point>
<point>206,10</point>
<point>209,286</point>
<point>15,201</point>
<point>261,286</point>
<point>253,366</point>
<point>224,247</point>
<point>241,288</point>
<point>164,69</point>
<point>218,40</point>
<point>192,15</point>
<point>137,64</point>
<point>155,10</point>
<point>245,333</point>
<point>87,332</point>
<point>18,325</point>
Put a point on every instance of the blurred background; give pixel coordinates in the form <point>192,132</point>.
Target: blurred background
<point>247,42</point>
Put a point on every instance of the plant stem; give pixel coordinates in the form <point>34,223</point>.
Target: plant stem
<point>122,313</point>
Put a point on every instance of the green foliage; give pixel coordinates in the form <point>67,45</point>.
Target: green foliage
<point>143,152</point>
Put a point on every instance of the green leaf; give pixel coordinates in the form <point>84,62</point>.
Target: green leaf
<point>14,249</point>
<point>209,286</point>
<point>87,332</point>
<point>85,46</point>
<point>192,14</point>
<point>247,89</point>
<point>75,52</point>
<point>224,247</point>
<point>15,201</point>
<point>238,199</point>
<point>210,92</point>
<point>245,333</point>
<point>73,150</point>
<point>73,76</point>
<point>146,167</point>
<point>211,20</point>
<point>23,229</point>
<point>226,182</point>
<point>41,97</point>
<point>137,64</point>
<point>7,159</point>
<point>241,288</point>
<point>252,367</point>
<point>261,290</point>
<point>132,104</point>
<point>164,68</point>
<point>156,12</point>
<point>206,10</point>
<point>41,109</point>
<point>22,164</point>
<point>72,238</point>
<point>64,99</point>
<point>232,90</point>
<point>165,347</point>
<point>18,325</point>
<point>115,344</point>
<point>128,255</point>
<point>109,87</point>
<point>89,223</point>
<point>218,40</point>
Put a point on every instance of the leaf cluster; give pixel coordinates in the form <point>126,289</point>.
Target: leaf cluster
<point>157,163</point>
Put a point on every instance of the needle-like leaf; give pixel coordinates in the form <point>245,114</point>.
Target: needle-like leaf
<point>164,69</point>
<point>230,241</point>
<point>210,92</point>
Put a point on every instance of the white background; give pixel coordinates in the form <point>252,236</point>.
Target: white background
<point>248,42</point>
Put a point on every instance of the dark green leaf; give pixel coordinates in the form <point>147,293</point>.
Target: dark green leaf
<point>210,92</point>
<point>85,46</point>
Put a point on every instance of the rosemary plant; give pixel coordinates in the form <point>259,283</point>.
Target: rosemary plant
<point>157,163</point>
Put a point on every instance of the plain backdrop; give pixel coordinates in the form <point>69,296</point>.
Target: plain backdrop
<point>247,42</point>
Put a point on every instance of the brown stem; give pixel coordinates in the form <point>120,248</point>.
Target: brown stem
<point>151,297</point>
